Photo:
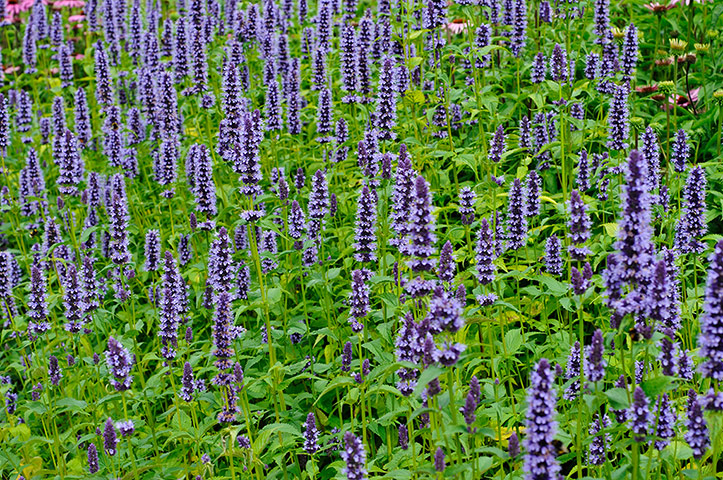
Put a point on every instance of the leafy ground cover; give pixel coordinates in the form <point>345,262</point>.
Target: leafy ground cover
<point>347,239</point>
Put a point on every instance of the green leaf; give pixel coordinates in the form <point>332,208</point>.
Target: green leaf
<point>618,398</point>
<point>656,386</point>
<point>427,376</point>
<point>72,405</point>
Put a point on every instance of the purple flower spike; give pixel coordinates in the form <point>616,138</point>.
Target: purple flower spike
<point>618,119</point>
<point>639,414</point>
<point>553,260</point>
<point>711,321</point>
<point>54,371</point>
<point>311,435</point>
<point>439,464</point>
<point>110,439</point>
<point>120,362</point>
<point>680,151</point>
<point>92,459</point>
<point>366,220</point>
<point>540,461</point>
<point>421,237</point>
<point>594,361</point>
<point>697,435</point>
<point>516,218</point>
<point>692,225</point>
<point>355,457</point>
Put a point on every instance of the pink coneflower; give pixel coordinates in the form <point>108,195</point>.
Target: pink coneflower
<point>659,8</point>
<point>684,101</point>
<point>646,89</point>
<point>78,56</point>
<point>58,4</point>
<point>76,18</point>
<point>11,69</point>
<point>456,26</point>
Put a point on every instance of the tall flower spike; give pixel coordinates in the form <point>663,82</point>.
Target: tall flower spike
<point>697,435</point>
<point>497,145</point>
<point>325,116</point>
<point>120,362</point>
<point>92,459</point>
<point>630,50</point>
<point>485,253</point>
<point>519,28</point>
<point>651,152</point>
<point>532,194</point>
<point>421,228</point>
<point>221,270</point>
<point>72,299</point>
<point>54,372</point>
<point>680,151</point>
<point>540,461</point>
<point>385,112</point>
<point>37,301</point>
<point>711,321</point>
<point>359,300</point>
<point>639,414</point>
<point>447,267</point>
<point>516,219</point>
<point>579,224</point>
<point>110,439</point>
<point>572,371</point>
<point>103,89</point>
<point>538,72</point>
<point>665,424</point>
<point>594,361</point>
<point>152,250</point>
<point>355,458</point>
<point>618,119</point>
<point>553,260</point>
<point>401,195</point>
<point>204,188</point>
<point>169,308</point>
<point>466,205</point>
<point>365,233</point>
<point>692,224</point>
<point>311,435</point>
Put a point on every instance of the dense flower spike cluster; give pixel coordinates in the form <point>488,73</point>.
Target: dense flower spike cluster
<point>407,205</point>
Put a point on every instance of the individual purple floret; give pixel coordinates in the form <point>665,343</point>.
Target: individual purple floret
<point>120,362</point>
<point>594,361</point>
<point>711,320</point>
<point>540,461</point>
<point>680,151</point>
<point>692,225</point>
<point>516,218</point>
<point>311,435</point>
<point>697,435</point>
<point>639,415</point>
<point>355,457</point>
